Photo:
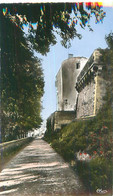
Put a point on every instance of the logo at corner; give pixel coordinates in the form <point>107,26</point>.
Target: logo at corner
<point>100,191</point>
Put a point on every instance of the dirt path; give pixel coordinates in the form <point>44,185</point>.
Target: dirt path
<point>39,170</point>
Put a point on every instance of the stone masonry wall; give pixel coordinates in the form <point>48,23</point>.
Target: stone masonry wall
<point>59,118</point>
<point>85,105</point>
<point>90,98</point>
<point>100,91</point>
<point>63,117</point>
<point>91,86</point>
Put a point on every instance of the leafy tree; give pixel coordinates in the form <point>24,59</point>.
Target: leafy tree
<point>107,56</point>
<point>21,83</point>
<point>51,18</point>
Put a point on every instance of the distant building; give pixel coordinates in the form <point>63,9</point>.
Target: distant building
<point>65,82</point>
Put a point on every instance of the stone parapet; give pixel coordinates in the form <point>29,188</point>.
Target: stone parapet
<point>92,68</point>
<point>91,86</point>
<point>95,59</point>
<point>60,118</point>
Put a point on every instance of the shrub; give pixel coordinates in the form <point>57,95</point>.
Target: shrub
<point>96,174</point>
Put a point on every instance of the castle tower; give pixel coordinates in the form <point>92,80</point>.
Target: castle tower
<point>65,82</point>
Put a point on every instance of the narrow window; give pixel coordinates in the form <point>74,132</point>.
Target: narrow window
<point>78,65</point>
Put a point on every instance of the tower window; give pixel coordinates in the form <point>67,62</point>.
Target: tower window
<point>77,65</point>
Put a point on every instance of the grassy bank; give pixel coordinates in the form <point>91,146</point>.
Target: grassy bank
<point>94,137</point>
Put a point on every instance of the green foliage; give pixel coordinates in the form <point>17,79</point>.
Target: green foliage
<point>96,174</point>
<point>100,142</point>
<point>22,83</point>
<point>51,19</point>
<point>93,136</point>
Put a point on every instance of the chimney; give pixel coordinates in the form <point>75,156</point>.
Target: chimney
<point>70,56</point>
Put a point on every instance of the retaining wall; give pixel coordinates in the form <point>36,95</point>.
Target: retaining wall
<point>7,149</point>
<point>85,106</point>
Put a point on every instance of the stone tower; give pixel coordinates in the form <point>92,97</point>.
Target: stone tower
<point>65,83</point>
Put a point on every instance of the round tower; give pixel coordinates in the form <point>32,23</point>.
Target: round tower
<point>65,82</point>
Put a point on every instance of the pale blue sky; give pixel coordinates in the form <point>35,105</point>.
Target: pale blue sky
<point>84,47</point>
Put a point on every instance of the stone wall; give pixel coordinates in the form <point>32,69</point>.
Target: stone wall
<point>100,91</point>
<point>60,118</point>
<point>90,99</point>
<point>91,87</point>
<point>8,149</point>
<point>85,105</point>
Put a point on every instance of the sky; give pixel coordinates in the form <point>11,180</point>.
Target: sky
<point>84,47</point>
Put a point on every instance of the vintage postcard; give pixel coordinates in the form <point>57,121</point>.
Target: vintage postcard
<point>56,98</point>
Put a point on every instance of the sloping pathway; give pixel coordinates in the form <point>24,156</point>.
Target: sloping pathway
<point>39,170</point>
